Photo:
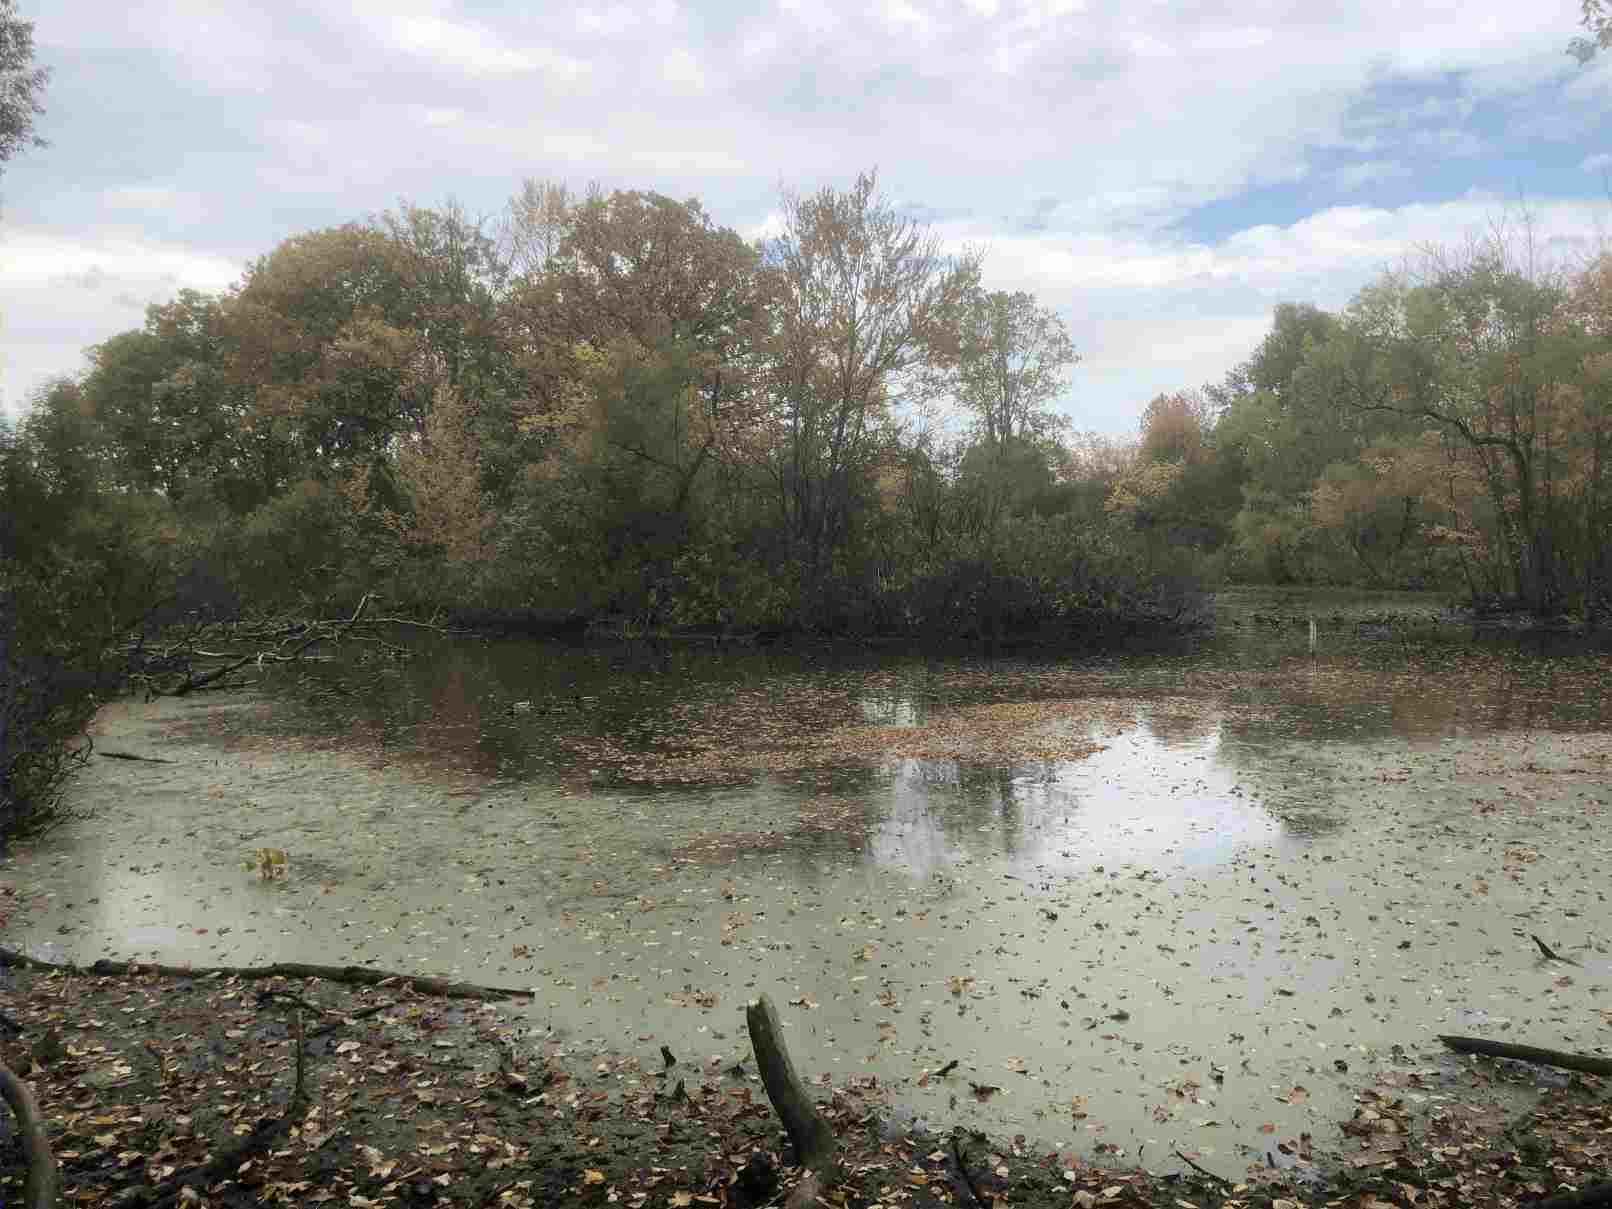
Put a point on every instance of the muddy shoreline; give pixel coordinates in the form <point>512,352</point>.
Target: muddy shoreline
<point>429,1102</point>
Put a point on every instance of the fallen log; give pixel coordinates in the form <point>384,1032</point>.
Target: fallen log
<point>1529,1053</point>
<point>812,1137</point>
<point>39,1192</point>
<point>346,975</point>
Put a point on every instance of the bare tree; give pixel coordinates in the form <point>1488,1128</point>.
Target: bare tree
<point>864,301</point>
<point>1014,359</point>
<point>534,225</point>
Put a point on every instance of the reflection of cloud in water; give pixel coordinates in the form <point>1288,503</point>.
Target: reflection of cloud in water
<point>891,711</point>
<point>1140,801</point>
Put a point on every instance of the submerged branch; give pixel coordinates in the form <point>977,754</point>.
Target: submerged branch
<point>1529,1053</point>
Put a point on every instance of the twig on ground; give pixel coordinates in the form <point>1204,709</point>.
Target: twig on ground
<point>1204,1171</point>
<point>374,1009</point>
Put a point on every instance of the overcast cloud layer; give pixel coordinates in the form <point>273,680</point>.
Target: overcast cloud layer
<point>1162,173</point>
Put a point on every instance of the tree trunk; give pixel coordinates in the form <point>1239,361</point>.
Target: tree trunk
<point>809,1133</point>
<point>40,1190</point>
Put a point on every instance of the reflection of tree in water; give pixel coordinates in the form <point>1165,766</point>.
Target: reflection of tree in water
<point>622,715</point>
<point>1177,722</point>
<point>1295,794</point>
<point>943,810</point>
<point>1428,690</point>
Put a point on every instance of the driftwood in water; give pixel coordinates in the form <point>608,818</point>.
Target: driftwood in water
<point>347,975</point>
<point>1549,955</point>
<point>1529,1053</point>
<point>129,755</point>
<point>812,1137</point>
<point>40,1190</point>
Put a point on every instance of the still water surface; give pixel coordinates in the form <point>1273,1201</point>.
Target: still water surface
<point>1192,895</point>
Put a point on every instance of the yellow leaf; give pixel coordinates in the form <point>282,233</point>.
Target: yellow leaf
<point>681,1199</point>
<point>592,1176</point>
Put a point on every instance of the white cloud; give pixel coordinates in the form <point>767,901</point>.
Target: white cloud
<point>1152,313</point>
<point>1370,172</point>
<point>66,293</point>
<point>141,197</point>
<point>1071,136</point>
<point>476,50</point>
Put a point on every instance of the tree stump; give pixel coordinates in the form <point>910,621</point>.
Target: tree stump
<point>812,1136</point>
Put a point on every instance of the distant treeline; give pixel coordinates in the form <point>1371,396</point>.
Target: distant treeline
<point>601,406</point>
<point>606,405</point>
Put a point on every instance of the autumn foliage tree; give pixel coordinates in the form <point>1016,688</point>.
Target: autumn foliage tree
<point>860,298</point>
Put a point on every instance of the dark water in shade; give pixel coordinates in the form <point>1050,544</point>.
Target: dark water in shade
<point>1273,862</point>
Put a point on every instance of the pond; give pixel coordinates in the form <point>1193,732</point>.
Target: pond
<point>1193,895</point>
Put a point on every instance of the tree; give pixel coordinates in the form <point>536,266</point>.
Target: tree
<point>1484,346</point>
<point>534,224</point>
<point>170,419</point>
<point>863,301</point>
<point>1181,488</point>
<point>646,266</point>
<point>1013,362</point>
<point>1296,328</point>
<point>1597,21</point>
<point>321,334</point>
<point>452,276</point>
<point>442,480</point>
<point>21,84</point>
<point>1372,505</point>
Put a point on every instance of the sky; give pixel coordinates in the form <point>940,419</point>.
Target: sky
<point>1162,174</point>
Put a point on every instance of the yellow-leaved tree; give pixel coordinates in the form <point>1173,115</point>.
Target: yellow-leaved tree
<point>441,476</point>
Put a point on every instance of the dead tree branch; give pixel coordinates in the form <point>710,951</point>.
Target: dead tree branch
<point>1529,1053</point>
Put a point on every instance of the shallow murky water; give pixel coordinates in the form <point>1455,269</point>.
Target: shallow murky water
<point>1186,896</point>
